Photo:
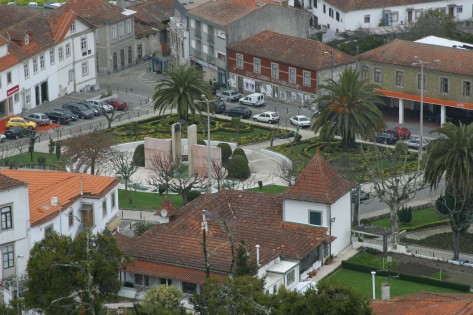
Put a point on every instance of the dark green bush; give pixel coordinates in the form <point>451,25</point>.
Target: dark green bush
<point>240,152</point>
<point>128,284</point>
<point>51,146</point>
<point>297,138</point>
<point>226,150</point>
<point>41,160</point>
<point>201,142</point>
<point>405,214</point>
<point>193,194</point>
<point>139,155</point>
<point>238,167</point>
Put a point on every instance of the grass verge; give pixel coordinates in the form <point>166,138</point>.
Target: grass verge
<point>419,218</point>
<point>138,200</point>
<point>270,189</point>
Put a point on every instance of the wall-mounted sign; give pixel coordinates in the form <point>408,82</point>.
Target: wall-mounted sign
<point>13,90</point>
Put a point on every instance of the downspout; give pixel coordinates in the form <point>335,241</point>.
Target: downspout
<point>330,228</point>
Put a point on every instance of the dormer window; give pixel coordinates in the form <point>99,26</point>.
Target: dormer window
<point>73,27</point>
<point>27,39</point>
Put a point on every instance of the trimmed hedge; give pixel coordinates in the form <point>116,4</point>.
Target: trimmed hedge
<point>226,150</point>
<point>408,277</point>
<point>193,194</point>
<point>426,226</point>
<point>139,155</point>
<point>240,152</point>
<point>238,168</point>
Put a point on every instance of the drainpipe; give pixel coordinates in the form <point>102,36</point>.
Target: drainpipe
<point>257,255</point>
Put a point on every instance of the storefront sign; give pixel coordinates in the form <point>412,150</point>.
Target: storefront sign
<point>13,90</point>
<point>249,85</point>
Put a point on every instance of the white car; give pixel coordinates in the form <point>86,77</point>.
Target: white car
<point>2,137</point>
<point>101,104</point>
<point>267,117</point>
<point>414,143</point>
<point>300,120</point>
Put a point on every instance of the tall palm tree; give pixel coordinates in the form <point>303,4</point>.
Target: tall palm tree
<point>179,90</point>
<point>451,155</point>
<point>351,109</point>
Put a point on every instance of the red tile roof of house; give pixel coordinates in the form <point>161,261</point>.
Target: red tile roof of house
<point>7,183</point>
<point>426,303</point>
<point>153,12</point>
<point>42,185</point>
<point>232,216</point>
<point>301,52</point>
<point>401,52</point>
<point>353,5</point>
<point>97,12</point>
<point>168,206</point>
<point>318,182</point>
<point>224,12</point>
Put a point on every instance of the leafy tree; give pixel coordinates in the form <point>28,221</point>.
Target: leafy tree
<point>58,150</point>
<point>141,226</point>
<point>51,146</point>
<point>243,267</point>
<point>179,90</point>
<point>163,299</point>
<point>450,157</point>
<point>351,110</point>
<point>434,22</point>
<point>66,275</point>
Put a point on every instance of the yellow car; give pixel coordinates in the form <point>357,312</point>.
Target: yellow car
<point>20,122</point>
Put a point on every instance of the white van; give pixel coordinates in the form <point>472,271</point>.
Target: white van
<point>255,99</point>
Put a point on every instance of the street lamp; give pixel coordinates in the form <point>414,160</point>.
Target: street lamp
<point>373,273</point>
<point>17,285</point>
<point>209,164</point>
<point>331,60</point>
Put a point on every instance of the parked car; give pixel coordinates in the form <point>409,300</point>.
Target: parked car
<point>58,117</point>
<point>219,106</point>
<point>414,143</point>
<point>239,111</point>
<point>39,118</point>
<point>20,122</point>
<point>74,116</point>
<point>229,96</point>
<point>16,132</point>
<point>80,109</point>
<point>97,111</point>
<point>401,132</point>
<point>255,99</point>
<point>363,194</point>
<point>386,138</point>
<point>267,117</point>
<point>300,120</point>
<point>2,137</point>
<point>103,105</point>
<point>117,104</point>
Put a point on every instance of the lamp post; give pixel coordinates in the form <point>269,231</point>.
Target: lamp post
<point>331,60</point>
<point>17,285</point>
<point>209,162</point>
<point>373,273</point>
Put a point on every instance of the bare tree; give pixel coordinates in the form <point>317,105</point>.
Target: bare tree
<point>395,185</point>
<point>166,172</point>
<point>7,151</point>
<point>57,130</point>
<point>112,116</point>
<point>219,172</point>
<point>122,164</point>
<point>288,171</point>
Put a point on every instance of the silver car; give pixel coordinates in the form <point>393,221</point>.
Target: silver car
<point>229,96</point>
<point>39,118</point>
<point>414,143</point>
<point>101,104</point>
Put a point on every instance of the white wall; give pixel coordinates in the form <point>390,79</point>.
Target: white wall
<point>298,211</point>
<point>341,227</point>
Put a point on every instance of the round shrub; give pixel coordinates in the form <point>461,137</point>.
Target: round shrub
<point>240,152</point>
<point>238,168</point>
<point>226,150</point>
<point>41,160</point>
<point>139,155</point>
<point>201,142</point>
<point>193,194</point>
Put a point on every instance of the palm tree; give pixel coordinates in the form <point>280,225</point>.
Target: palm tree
<point>179,90</point>
<point>451,156</point>
<point>351,109</point>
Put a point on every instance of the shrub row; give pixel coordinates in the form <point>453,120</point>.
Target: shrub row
<point>426,226</point>
<point>408,277</point>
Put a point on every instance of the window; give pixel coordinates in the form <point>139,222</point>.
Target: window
<point>68,50</point>
<point>113,200</point>
<point>292,75</point>
<point>256,65</point>
<point>26,67</point>
<point>28,97</point>
<point>290,277</point>
<point>367,19</point>
<point>307,78</point>
<point>128,27</point>
<point>419,79</point>
<point>114,32</point>
<point>61,53</point>
<point>364,72</point>
<point>163,281</point>
<point>444,85</point>
<point>70,218</point>
<point>41,62</point>
<point>146,281</point>
<point>274,70</point>
<point>330,12</point>
<point>399,78</point>
<point>73,27</point>
<point>189,287</point>
<point>275,288</point>
<point>378,75</point>
<point>48,230</point>
<point>52,56</point>
<point>467,88</point>
<point>6,218</point>
<point>85,68</point>
<point>8,256</point>
<point>337,16</point>
<point>239,61</point>
<point>16,97</point>
<point>27,39</point>
<point>324,8</point>
<point>71,75</point>
<point>121,30</point>
<point>35,65</point>
<point>138,279</point>
<point>221,55</point>
<point>104,208</point>
<point>315,217</point>
<point>83,43</point>
<point>459,9</point>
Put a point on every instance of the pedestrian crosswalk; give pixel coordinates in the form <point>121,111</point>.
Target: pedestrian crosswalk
<point>149,78</point>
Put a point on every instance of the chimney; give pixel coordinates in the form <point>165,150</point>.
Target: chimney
<point>257,254</point>
<point>385,291</point>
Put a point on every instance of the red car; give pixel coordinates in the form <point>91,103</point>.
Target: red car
<point>117,104</point>
<point>401,132</point>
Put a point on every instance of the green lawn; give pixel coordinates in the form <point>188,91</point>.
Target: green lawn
<point>270,189</point>
<point>419,217</point>
<point>361,282</point>
<point>144,200</point>
<point>368,259</point>
<point>25,159</point>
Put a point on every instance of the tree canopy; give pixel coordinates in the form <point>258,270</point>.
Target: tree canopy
<point>163,300</point>
<point>351,109</point>
<point>434,22</point>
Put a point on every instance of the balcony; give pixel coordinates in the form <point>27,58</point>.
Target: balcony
<point>198,34</point>
<point>210,39</point>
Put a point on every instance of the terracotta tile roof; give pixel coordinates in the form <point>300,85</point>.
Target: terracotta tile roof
<point>401,52</point>
<point>7,183</point>
<point>168,271</point>
<point>42,185</point>
<point>153,12</point>
<point>168,206</point>
<point>426,303</point>
<point>353,5</point>
<point>224,12</point>
<point>253,217</point>
<point>318,182</point>
<point>97,12</point>
<point>301,52</point>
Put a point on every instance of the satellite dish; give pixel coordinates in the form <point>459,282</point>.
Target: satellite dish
<point>164,213</point>
<point>54,201</point>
